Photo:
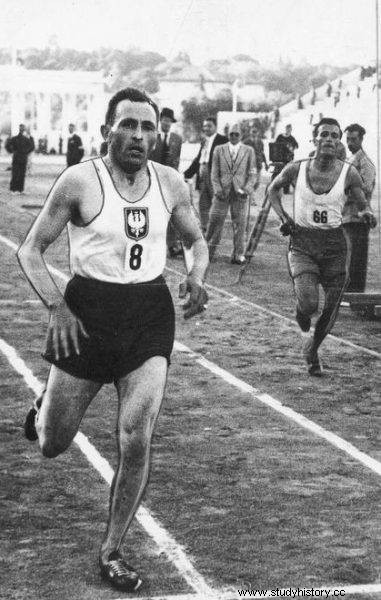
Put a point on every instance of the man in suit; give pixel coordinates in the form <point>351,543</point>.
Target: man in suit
<point>234,174</point>
<point>168,144</point>
<point>167,152</point>
<point>202,166</point>
<point>358,227</point>
<point>75,149</point>
<point>20,146</point>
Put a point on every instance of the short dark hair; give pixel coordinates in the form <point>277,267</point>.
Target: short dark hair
<point>132,94</point>
<point>356,127</point>
<point>327,121</point>
<point>212,119</point>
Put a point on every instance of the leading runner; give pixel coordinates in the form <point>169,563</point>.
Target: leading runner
<point>115,322</point>
<point>319,249</point>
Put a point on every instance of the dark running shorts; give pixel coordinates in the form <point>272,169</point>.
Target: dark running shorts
<point>323,252</point>
<point>127,325</point>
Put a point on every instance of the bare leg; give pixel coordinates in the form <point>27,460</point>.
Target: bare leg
<point>64,403</point>
<point>326,321</point>
<point>140,396</point>
<point>306,288</point>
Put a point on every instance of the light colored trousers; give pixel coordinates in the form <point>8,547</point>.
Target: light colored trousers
<point>239,208</point>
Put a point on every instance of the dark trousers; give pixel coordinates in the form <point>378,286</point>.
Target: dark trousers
<point>206,197</point>
<point>359,238</point>
<point>18,176</point>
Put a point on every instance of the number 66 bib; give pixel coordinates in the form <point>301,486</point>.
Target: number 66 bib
<point>319,211</point>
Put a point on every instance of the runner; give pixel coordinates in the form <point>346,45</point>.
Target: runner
<point>319,252</point>
<point>116,320</point>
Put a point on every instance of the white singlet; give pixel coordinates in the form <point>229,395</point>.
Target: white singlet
<point>126,241</point>
<point>319,211</point>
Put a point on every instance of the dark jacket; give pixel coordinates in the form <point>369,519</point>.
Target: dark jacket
<point>173,154</point>
<point>195,165</point>
<point>75,150</point>
<point>20,146</point>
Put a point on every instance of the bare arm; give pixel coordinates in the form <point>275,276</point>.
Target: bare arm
<point>185,221</point>
<point>45,230</point>
<point>57,211</point>
<point>286,177</point>
<point>355,185</point>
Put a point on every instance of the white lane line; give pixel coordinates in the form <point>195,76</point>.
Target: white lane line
<point>291,414</point>
<point>163,539</point>
<point>268,400</point>
<point>171,597</point>
<point>17,303</point>
<point>243,302</point>
<point>319,592</point>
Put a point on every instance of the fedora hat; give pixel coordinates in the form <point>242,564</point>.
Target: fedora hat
<point>168,112</point>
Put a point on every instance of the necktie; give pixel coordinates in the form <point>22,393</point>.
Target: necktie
<point>165,150</point>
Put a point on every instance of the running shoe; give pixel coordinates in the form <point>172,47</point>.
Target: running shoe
<point>303,321</point>
<point>312,358</point>
<point>30,431</point>
<point>121,575</point>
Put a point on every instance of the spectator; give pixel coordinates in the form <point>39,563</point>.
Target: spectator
<point>358,226</point>
<point>255,141</point>
<point>291,144</point>
<point>75,149</point>
<point>202,166</point>
<point>233,179</point>
<point>20,146</point>
<point>167,152</point>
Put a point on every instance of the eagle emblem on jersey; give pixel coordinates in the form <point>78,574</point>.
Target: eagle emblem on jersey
<point>136,222</point>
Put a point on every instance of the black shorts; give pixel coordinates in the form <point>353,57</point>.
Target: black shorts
<point>323,252</point>
<point>127,324</point>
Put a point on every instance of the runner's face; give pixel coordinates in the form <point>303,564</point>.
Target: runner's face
<point>354,141</point>
<point>327,140</point>
<point>132,136</point>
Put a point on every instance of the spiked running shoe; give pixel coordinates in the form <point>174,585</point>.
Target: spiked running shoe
<point>30,421</point>
<point>121,575</point>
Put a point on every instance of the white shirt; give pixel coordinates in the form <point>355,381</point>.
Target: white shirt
<point>233,149</point>
<point>205,152</point>
<point>162,135</point>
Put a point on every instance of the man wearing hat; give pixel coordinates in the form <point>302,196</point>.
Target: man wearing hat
<point>167,152</point>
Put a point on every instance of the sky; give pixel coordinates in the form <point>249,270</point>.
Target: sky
<point>339,32</point>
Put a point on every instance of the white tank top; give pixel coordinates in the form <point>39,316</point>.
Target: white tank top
<point>319,211</point>
<point>126,241</point>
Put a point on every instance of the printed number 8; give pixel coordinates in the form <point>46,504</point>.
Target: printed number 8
<point>320,217</point>
<point>136,257</point>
